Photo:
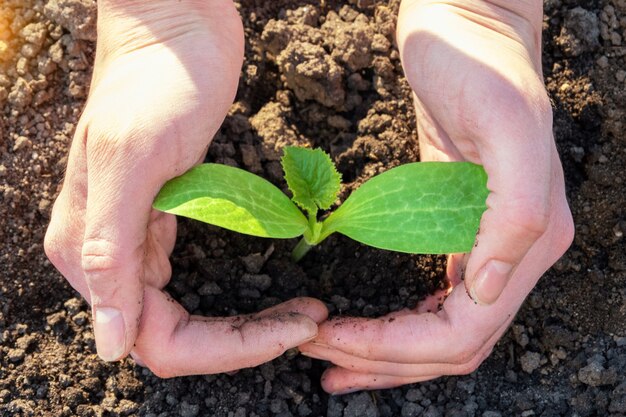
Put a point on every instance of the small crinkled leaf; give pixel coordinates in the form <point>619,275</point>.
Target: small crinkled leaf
<point>311,177</point>
<point>424,207</point>
<point>233,199</point>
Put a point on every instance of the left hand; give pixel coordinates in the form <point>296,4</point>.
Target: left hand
<point>475,68</point>
<point>165,76</point>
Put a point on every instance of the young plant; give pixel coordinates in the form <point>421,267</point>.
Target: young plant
<point>423,207</point>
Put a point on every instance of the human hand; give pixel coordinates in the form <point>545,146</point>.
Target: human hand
<point>165,75</point>
<point>475,68</point>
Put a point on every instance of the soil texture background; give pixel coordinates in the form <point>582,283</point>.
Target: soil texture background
<point>565,354</point>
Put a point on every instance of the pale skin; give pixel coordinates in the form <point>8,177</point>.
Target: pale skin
<point>163,81</point>
<point>164,78</point>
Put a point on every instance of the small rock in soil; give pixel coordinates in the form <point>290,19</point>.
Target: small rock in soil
<point>22,142</point>
<point>189,410</point>
<point>618,401</point>
<point>411,409</point>
<point>81,318</point>
<point>77,16</point>
<point>432,411</point>
<point>210,288</point>
<point>312,74</point>
<point>361,405</point>
<point>596,375</point>
<point>340,302</point>
<point>530,361</point>
<point>414,395</point>
<point>580,32</point>
<point>26,341</point>
<point>190,301</point>
<point>16,355</point>
<point>253,262</point>
<point>260,282</point>
<point>127,407</point>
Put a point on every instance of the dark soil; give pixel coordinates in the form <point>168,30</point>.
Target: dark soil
<point>565,354</point>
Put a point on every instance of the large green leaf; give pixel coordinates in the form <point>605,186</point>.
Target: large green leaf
<point>311,177</point>
<point>233,199</point>
<point>424,207</point>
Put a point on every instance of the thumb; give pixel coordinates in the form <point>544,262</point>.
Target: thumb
<point>113,252</point>
<point>518,210</point>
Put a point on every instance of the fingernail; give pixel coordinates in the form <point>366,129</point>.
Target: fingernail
<point>490,282</point>
<point>309,329</point>
<point>110,333</point>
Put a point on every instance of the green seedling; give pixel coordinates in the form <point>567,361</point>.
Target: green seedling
<point>423,207</point>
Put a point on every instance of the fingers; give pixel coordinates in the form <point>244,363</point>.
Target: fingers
<point>455,268</point>
<point>521,210</point>
<point>460,366</point>
<point>353,374</point>
<point>163,226</point>
<point>453,341</point>
<point>454,335</point>
<point>116,243</point>
<point>310,307</point>
<point>172,343</point>
<point>404,339</point>
<point>159,243</point>
<point>517,216</point>
<point>403,348</point>
<point>514,137</point>
<point>365,366</point>
<point>340,381</point>
<point>496,113</point>
<point>64,236</point>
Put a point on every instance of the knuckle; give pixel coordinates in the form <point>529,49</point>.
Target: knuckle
<point>470,366</point>
<point>57,243</point>
<point>465,353</point>
<point>98,255</point>
<point>101,260</point>
<point>469,357</point>
<point>567,232</point>
<point>107,145</point>
<point>51,246</point>
<point>508,102</point>
<point>529,217</point>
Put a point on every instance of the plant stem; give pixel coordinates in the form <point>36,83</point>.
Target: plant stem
<point>300,250</point>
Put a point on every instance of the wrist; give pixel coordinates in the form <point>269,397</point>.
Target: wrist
<point>528,9</point>
<point>519,21</point>
<point>137,8</point>
<point>156,13</point>
<point>128,25</point>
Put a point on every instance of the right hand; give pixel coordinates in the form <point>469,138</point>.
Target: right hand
<point>164,78</point>
<point>475,68</point>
